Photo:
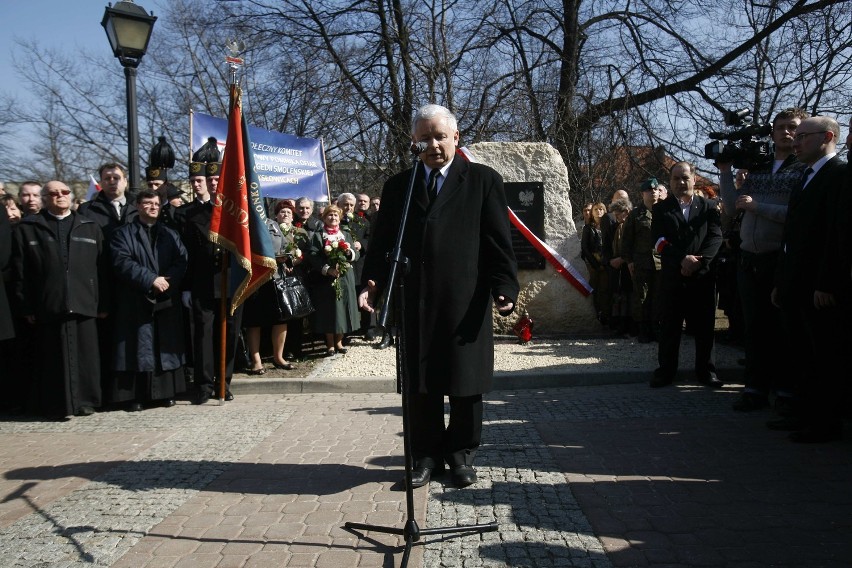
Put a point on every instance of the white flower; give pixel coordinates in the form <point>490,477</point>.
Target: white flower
<point>335,244</point>
<point>327,248</point>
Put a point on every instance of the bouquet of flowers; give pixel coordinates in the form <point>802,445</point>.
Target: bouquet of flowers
<point>339,254</point>
<point>295,239</point>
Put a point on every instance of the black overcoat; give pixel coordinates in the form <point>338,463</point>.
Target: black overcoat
<point>7,326</point>
<point>461,256</point>
<point>42,286</point>
<point>146,340</point>
<point>331,315</point>
<point>65,304</point>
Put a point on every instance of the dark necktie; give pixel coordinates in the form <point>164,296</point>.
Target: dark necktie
<point>152,235</point>
<point>805,176</point>
<point>432,186</point>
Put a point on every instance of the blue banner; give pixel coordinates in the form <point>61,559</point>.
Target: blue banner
<point>287,166</point>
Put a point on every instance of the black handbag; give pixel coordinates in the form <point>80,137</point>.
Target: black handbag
<point>292,298</point>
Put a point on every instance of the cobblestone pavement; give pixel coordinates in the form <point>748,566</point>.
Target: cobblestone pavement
<point>590,476</point>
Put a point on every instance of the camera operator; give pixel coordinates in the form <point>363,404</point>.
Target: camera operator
<point>761,206</point>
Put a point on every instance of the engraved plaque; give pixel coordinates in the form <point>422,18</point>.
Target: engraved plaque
<point>527,201</point>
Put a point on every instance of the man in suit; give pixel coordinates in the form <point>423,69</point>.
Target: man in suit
<point>687,232</point>
<point>460,255</point>
<point>112,207</point>
<point>807,283</point>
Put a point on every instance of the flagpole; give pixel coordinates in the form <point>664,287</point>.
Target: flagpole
<point>233,64</point>
<point>191,191</point>
<point>223,325</point>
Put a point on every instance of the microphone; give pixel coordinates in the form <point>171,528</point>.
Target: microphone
<point>419,147</point>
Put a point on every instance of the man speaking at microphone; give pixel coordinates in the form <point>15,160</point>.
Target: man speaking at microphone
<point>459,250</point>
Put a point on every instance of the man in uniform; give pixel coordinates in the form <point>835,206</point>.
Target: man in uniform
<point>643,262</point>
<point>204,287</point>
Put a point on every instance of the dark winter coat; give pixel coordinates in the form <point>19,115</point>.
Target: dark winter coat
<point>101,211</point>
<point>460,253</point>
<point>42,286</point>
<point>7,326</point>
<point>148,328</point>
<point>331,315</point>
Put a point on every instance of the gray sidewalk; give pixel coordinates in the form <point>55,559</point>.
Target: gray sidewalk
<point>606,475</point>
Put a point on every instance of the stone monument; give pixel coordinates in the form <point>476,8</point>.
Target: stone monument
<point>554,305</point>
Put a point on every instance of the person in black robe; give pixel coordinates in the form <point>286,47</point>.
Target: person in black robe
<point>59,273</point>
<point>149,261</point>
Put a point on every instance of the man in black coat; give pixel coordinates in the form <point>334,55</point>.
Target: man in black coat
<point>112,207</point>
<point>808,280</point>
<point>459,249</point>
<point>687,230</point>
<point>59,273</point>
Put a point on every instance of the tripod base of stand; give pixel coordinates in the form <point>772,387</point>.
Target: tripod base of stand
<point>412,532</point>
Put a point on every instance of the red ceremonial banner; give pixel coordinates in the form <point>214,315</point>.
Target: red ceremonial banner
<point>238,223</point>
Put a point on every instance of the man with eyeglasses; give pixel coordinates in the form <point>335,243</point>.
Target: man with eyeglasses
<point>59,268</point>
<point>806,287</point>
<point>149,261</point>
<point>761,206</point>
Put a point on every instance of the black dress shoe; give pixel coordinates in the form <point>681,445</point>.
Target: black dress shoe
<point>709,379</point>
<point>463,475</point>
<point>341,350</point>
<point>386,342</point>
<point>135,407</point>
<point>202,397</point>
<point>787,424</point>
<point>660,379</point>
<point>817,434</point>
<point>85,411</point>
<point>169,402</point>
<point>784,406</point>
<point>228,396</point>
<point>421,475</point>
<point>749,401</point>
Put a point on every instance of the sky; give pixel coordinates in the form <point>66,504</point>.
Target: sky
<point>72,25</point>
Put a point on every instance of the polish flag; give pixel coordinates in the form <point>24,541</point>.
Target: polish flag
<point>556,260</point>
<point>94,188</point>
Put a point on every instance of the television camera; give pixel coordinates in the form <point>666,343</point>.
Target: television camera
<point>744,145</point>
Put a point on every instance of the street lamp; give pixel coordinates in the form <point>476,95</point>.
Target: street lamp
<point>128,28</point>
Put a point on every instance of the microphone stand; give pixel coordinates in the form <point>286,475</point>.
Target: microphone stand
<point>396,294</point>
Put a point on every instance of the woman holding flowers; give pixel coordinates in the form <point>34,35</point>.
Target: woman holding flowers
<point>331,255</point>
<point>287,242</point>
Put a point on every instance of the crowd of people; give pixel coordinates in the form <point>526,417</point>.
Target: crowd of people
<point>772,251</point>
<point>115,302</point>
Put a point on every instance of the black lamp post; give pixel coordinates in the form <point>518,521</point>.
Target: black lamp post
<point>128,28</point>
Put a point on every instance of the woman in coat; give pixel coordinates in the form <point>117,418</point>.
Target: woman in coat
<point>261,308</point>
<point>330,258</point>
